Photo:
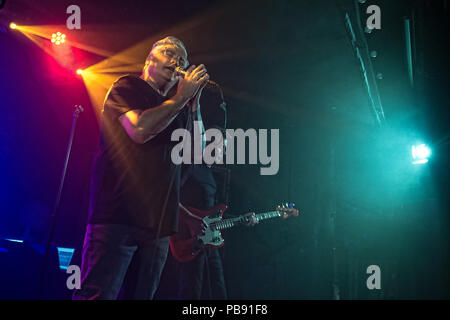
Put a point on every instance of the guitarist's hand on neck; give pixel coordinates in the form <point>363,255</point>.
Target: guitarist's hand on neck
<point>250,219</point>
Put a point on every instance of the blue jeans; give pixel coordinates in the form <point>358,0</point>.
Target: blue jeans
<point>114,255</point>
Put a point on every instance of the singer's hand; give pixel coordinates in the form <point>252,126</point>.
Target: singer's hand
<point>194,79</point>
<point>195,102</point>
<point>250,219</point>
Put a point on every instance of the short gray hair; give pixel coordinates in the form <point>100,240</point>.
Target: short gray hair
<point>167,40</point>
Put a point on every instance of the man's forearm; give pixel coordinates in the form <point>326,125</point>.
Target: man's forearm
<point>154,120</point>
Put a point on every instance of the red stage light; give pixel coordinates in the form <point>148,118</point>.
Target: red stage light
<point>58,38</point>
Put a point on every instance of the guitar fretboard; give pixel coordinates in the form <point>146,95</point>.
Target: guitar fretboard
<point>231,222</point>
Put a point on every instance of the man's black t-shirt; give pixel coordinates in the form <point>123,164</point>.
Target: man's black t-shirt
<point>129,180</point>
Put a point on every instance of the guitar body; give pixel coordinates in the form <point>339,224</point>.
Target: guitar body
<point>187,243</point>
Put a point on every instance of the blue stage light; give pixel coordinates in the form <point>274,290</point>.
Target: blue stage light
<point>420,154</point>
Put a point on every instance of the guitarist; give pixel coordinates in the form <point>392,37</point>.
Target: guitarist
<point>199,192</point>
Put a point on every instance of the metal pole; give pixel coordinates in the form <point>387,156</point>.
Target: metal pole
<point>332,217</point>
<point>54,216</point>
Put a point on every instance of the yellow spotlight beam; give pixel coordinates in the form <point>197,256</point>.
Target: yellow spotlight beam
<point>97,86</point>
<point>123,68</point>
<point>46,32</point>
<point>39,42</point>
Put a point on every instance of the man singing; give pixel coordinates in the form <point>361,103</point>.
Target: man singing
<point>135,186</point>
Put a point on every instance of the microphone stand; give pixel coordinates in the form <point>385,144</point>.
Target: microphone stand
<point>54,215</point>
<point>223,106</point>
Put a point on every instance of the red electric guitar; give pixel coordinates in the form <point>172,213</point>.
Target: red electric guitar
<point>200,228</point>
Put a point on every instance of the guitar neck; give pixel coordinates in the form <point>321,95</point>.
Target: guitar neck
<point>267,215</point>
<point>231,222</point>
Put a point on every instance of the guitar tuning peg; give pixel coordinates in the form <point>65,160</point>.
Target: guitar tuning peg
<point>291,205</point>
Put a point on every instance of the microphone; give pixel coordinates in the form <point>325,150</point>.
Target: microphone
<point>182,72</point>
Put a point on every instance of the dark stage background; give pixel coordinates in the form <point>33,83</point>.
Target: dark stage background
<point>344,153</point>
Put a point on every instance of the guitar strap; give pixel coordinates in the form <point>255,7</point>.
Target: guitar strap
<point>188,212</point>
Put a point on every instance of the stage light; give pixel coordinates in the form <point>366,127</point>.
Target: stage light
<point>58,38</point>
<point>80,71</point>
<point>12,25</point>
<point>420,154</point>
